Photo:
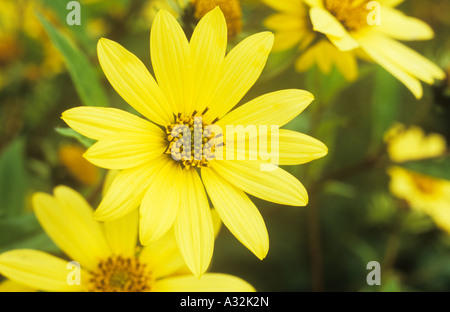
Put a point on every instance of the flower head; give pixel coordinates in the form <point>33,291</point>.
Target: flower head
<point>104,257</point>
<point>168,172</point>
<point>356,28</point>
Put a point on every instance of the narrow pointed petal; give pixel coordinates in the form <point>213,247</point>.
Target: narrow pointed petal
<point>37,269</point>
<point>67,219</point>
<point>194,230</point>
<point>160,204</point>
<point>207,49</point>
<point>169,50</point>
<point>131,79</point>
<point>122,234</point>
<point>276,108</point>
<point>127,190</point>
<point>237,212</point>
<point>249,177</point>
<point>214,282</point>
<point>296,148</point>
<point>127,150</point>
<point>242,67</point>
<point>100,122</point>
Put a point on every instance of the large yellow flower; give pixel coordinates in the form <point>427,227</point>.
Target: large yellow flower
<point>370,29</point>
<point>423,193</point>
<point>106,255</point>
<point>194,79</point>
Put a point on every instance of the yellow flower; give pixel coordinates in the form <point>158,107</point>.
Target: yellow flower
<point>412,144</point>
<point>195,79</point>
<point>369,29</point>
<point>106,255</point>
<point>293,28</point>
<point>423,193</point>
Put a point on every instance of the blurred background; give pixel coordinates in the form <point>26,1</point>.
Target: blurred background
<point>48,66</point>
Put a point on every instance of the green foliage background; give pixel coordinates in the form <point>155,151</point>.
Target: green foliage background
<point>351,220</point>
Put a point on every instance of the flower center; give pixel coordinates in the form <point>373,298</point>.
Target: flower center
<point>120,274</point>
<point>426,185</point>
<point>351,13</point>
<point>191,141</point>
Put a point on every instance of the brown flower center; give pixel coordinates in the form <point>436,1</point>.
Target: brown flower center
<point>351,13</point>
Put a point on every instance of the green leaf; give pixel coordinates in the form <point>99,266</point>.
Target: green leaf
<point>81,71</point>
<point>70,133</point>
<point>13,179</point>
<point>385,104</point>
<point>24,232</point>
<point>436,167</point>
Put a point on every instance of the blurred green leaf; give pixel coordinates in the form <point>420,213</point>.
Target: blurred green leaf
<point>24,232</point>
<point>385,104</point>
<point>70,133</point>
<point>83,74</point>
<point>436,167</point>
<point>13,179</point>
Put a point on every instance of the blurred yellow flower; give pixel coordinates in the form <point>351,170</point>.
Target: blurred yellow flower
<point>71,156</point>
<point>293,28</point>
<point>369,29</point>
<point>109,259</point>
<point>423,193</point>
<point>169,191</point>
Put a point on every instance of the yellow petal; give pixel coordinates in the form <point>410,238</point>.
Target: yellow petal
<point>324,22</point>
<point>284,22</point>
<point>276,108</point>
<point>160,204</point>
<point>399,26</point>
<point>67,219</point>
<point>194,229</point>
<point>131,79</point>
<point>127,190</point>
<point>207,49</point>
<point>237,212</point>
<point>122,233</point>
<point>36,269</point>
<point>127,150</point>
<point>242,68</point>
<point>210,282</point>
<point>289,6</point>
<point>12,286</point>
<point>164,257</point>
<point>296,148</point>
<point>100,122</point>
<point>247,176</point>
<point>169,50</point>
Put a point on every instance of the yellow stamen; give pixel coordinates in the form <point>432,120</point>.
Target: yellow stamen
<point>351,13</point>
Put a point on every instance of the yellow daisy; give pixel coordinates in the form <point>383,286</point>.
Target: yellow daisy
<point>369,29</point>
<point>293,28</point>
<point>194,80</point>
<point>103,257</point>
<point>423,193</point>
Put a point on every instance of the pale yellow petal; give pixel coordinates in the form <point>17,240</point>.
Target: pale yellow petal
<point>127,150</point>
<point>399,26</point>
<point>324,22</point>
<point>243,66</point>
<point>128,189</point>
<point>207,50</point>
<point>164,257</point>
<point>122,234</point>
<point>248,176</point>
<point>194,229</point>
<point>237,212</point>
<point>210,282</point>
<point>288,6</point>
<point>67,219</point>
<point>296,148</point>
<point>169,51</point>
<point>160,204</point>
<point>36,269</point>
<point>276,108</point>
<point>131,79</point>
<point>284,22</point>
<point>100,122</point>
